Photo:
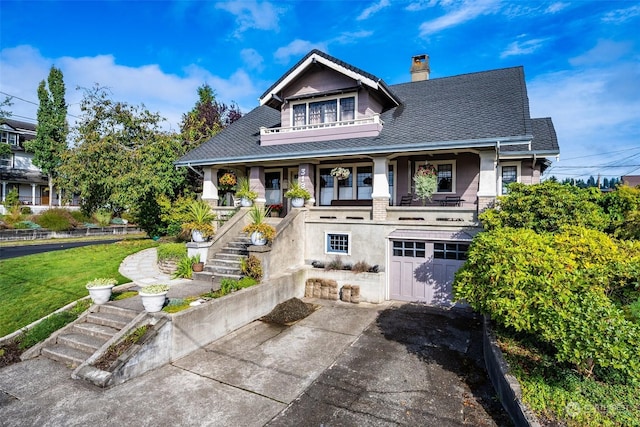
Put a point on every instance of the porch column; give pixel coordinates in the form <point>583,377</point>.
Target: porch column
<point>380,193</point>
<point>210,186</point>
<point>306,179</point>
<point>256,183</point>
<point>33,194</point>
<point>4,190</point>
<point>487,187</point>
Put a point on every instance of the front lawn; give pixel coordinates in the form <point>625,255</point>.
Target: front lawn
<point>36,285</point>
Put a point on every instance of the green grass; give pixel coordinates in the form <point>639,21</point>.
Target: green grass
<point>556,392</point>
<point>36,285</point>
<point>42,330</point>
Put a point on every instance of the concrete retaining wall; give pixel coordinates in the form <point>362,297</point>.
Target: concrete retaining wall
<point>505,384</point>
<point>372,285</point>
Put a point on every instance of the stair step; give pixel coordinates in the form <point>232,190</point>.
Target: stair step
<point>238,244</point>
<point>221,262</point>
<point>226,270</point>
<point>225,256</point>
<point>107,319</point>
<point>119,311</point>
<point>202,276</point>
<point>71,357</point>
<point>235,251</point>
<point>81,341</point>
<point>95,330</point>
<point>219,276</point>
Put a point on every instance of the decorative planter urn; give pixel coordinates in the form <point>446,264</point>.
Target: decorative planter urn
<point>153,302</point>
<point>258,239</point>
<point>246,203</point>
<point>297,202</point>
<point>196,236</point>
<point>100,294</point>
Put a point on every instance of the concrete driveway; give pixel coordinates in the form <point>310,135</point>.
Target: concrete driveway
<point>344,365</point>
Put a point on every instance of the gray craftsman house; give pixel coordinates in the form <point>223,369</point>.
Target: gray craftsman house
<point>474,129</point>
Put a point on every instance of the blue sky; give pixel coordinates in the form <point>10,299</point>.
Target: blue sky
<point>581,59</point>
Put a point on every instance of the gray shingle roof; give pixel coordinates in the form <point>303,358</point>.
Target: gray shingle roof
<point>451,112</point>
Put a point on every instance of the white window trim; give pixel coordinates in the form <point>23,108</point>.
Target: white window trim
<point>322,99</point>
<point>354,183</point>
<point>436,163</point>
<point>518,166</point>
<point>11,162</point>
<point>343,233</point>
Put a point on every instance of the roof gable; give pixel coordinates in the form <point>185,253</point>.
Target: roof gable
<point>271,97</point>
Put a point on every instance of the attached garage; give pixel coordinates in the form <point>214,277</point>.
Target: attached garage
<point>422,265</point>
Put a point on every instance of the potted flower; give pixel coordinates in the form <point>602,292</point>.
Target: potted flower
<point>153,297</point>
<point>199,221</point>
<point>100,289</point>
<point>275,209</point>
<point>227,181</point>
<point>245,193</point>
<point>297,194</point>
<point>340,173</point>
<point>259,231</point>
<point>196,264</point>
<point>426,181</point>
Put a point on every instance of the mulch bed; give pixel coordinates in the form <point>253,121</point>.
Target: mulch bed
<point>289,312</point>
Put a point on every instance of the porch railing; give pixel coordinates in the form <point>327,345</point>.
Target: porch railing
<point>427,215</point>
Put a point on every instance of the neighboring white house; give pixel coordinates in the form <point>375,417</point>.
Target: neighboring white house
<point>17,170</point>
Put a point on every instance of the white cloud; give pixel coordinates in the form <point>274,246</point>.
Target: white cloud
<point>594,110</point>
<point>621,15</point>
<point>251,14</point>
<point>525,47</point>
<point>421,5</point>
<point>373,9</point>
<point>467,11</point>
<point>556,7</point>
<point>168,94</point>
<point>252,59</point>
<point>352,37</point>
<point>297,48</point>
<point>605,51</point>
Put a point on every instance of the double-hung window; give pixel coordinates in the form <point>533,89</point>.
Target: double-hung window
<point>9,138</point>
<point>325,111</point>
<point>509,175</point>
<point>7,160</point>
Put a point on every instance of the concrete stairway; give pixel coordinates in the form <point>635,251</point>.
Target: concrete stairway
<point>226,263</point>
<point>77,344</point>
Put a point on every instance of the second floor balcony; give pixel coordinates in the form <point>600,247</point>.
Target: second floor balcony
<point>356,128</point>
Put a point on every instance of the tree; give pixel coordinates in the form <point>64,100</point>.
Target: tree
<point>51,131</point>
<point>207,118</point>
<point>121,159</point>
<point>5,150</point>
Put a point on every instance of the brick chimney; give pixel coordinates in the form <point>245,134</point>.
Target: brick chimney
<point>420,68</point>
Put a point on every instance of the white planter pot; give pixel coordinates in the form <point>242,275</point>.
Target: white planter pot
<point>100,294</point>
<point>246,203</point>
<point>196,236</point>
<point>153,302</point>
<point>297,202</point>
<point>258,239</point>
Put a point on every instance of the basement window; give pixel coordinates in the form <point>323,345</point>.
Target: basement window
<point>337,243</point>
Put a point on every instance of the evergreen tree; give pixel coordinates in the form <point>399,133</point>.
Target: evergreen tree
<point>50,142</point>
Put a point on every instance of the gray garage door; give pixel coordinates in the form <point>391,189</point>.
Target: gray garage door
<point>423,271</point>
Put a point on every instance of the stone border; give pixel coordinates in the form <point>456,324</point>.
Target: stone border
<point>505,384</point>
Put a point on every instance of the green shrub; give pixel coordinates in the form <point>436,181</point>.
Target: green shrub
<point>550,286</point>
<point>26,225</point>
<point>56,219</point>
<point>251,267</point>
<point>80,217</point>
<point>184,269</point>
<point>103,217</point>
<point>25,210</point>
<point>547,207</point>
<point>171,251</point>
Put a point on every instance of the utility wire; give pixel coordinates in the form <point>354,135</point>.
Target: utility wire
<point>31,102</point>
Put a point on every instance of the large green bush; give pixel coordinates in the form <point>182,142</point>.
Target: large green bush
<point>623,208</point>
<point>56,219</point>
<point>556,287</point>
<point>547,207</point>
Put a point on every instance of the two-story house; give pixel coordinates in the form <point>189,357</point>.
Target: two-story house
<point>475,129</point>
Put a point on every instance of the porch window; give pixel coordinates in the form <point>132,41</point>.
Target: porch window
<point>365,182</point>
<point>326,186</point>
<point>509,175</point>
<point>337,243</point>
<point>445,178</point>
<point>345,187</point>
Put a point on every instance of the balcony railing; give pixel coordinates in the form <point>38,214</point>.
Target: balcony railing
<point>355,122</point>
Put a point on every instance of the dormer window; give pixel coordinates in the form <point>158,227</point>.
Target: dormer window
<point>326,111</point>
